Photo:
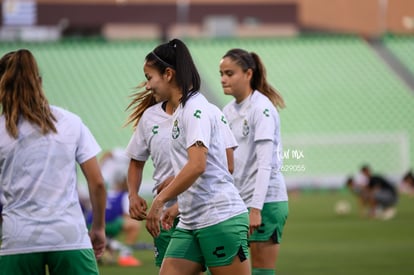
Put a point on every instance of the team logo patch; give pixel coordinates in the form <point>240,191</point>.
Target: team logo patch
<point>155,129</point>
<point>246,128</point>
<point>219,252</point>
<point>197,114</point>
<point>223,119</point>
<point>175,130</point>
<point>266,112</point>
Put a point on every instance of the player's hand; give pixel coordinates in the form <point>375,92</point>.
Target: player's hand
<point>153,217</point>
<point>98,240</point>
<point>255,217</point>
<point>168,217</point>
<point>137,207</point>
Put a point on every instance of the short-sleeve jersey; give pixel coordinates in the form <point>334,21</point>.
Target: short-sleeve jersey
<point>212,198</point>
<point>253,120</point>
<point>38,181</point>
<point>228,137</point>
<point>152,138</point>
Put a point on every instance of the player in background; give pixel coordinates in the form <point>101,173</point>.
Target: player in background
<point>114,166</point>
<point>40,145</point>
<point>255,122</point>
<point>379,196</point>
<point>213,225</point>
<point>407,184</point>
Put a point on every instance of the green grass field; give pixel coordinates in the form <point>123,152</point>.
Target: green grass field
<point>317,241</point>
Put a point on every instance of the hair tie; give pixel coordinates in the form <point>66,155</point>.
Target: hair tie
<point>172,43</point>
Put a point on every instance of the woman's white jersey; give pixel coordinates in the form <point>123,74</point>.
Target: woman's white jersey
<point>212,198</point>
<point>256,119</point>
<point>151,138</point>
<point>38,179</point>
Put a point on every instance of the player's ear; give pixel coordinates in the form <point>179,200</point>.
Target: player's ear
<point>249,74</point>
<point>169,74</point>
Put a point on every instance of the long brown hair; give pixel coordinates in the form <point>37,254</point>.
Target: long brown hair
<point>141,100</point>
<point>21,93</point>
<point>258,82</point>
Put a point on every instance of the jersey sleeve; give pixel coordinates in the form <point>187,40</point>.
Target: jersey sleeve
<point>87,147</point>
<point>198,125</point>
<point>137,147</point>
<point>229,139</point>
<point>265,123</point>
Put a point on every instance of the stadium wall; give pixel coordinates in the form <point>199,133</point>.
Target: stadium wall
<point>371,18</point>
<point>91,16</point>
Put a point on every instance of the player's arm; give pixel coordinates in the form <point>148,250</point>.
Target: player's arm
<point>137,205</point>
<point>195,167</point>
<point>264,163</point>
<point>164,184</point>
<point>96,186</point>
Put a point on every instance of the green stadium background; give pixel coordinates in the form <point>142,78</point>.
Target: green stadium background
<point>345,106</point>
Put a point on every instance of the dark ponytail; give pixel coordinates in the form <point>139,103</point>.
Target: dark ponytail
<point>175,55</point>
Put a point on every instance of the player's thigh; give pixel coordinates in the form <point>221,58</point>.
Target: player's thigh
<point>222,242</point>
<point>264,254</point>
<point>69,262</point>
<point>184,245</point>
<point>23,264</point>
<point>179,266</point>
<point>236,267</point>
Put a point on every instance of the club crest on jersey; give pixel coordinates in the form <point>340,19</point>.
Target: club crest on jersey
<point>246,128</point>
<point>175,130</point>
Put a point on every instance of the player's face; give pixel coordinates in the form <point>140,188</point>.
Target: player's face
<point>156,82</point>
<point>234,81</point>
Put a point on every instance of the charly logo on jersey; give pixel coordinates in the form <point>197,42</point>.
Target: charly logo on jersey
<point>197,114</point>
<point>155,129</point>
<point>223,119</point>
<point>246,128</point>
<point>175,130</point>
<point>266,112</point>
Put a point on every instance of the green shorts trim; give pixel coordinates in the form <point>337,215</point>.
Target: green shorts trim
<point>215,245</point>
<point>274,216</point>
<point>161,243</point>
<point>67,262</point>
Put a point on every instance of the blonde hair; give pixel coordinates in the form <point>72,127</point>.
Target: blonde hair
<point>141,100</point>
<point>21,93</point>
